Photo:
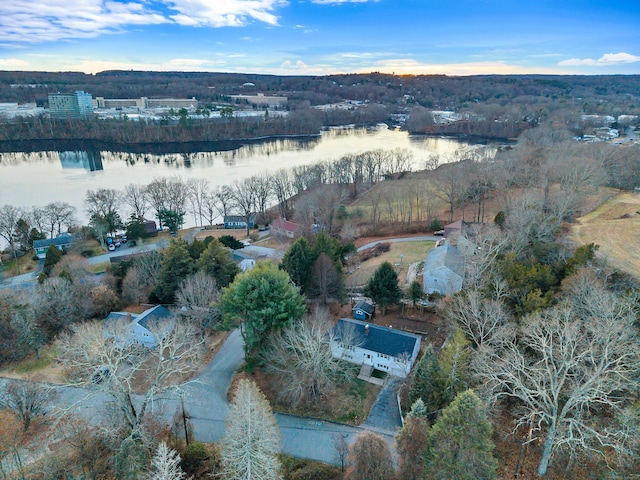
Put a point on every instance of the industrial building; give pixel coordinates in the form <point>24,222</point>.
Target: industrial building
<point>73,105</point>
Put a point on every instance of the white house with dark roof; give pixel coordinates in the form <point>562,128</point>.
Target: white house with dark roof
<point>138,328</point>
<point>385,349</point>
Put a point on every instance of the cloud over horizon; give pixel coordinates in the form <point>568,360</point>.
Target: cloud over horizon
<point>607,59</point>
<point>37,21</point>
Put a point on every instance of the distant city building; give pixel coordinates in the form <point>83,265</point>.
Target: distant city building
<point>144,102</point>
<point>75,105</point>
<point>261,100</point>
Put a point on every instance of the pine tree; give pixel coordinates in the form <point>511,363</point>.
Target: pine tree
<point>297,263</point>
<point>454,366</point>
<point>261,300</point>
<point>251,443</point>
<point>427,383</point>
<point>383,287</point>
<point>52,257</point>
<point>459,445</point>
<point>217,261</point>
<point>176,264</point>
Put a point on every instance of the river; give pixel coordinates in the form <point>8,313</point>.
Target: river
<point>38,178</point>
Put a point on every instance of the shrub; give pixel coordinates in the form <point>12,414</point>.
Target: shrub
<point>435,225</point>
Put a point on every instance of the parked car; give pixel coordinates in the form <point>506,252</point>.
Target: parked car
<point>439,233</point>
<point>100,374</point>
<point>111,247</point>
<point>117,244</point>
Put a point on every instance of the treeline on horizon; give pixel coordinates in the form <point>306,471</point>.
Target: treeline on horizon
<point>492,106</point>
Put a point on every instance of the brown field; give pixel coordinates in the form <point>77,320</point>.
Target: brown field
<point>615,226</point>
<point>412,252</point>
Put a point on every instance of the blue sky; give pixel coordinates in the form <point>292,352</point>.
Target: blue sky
<point>319,37</point>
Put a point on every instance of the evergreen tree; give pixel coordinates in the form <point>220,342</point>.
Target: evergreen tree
<point>454,366</point>
<point>165,464</point>
<point>459,445</point>
<point>176,264</point>
<point>261,300</point>
<point>297,262</point>
<point>250,446</point>
<point>427,384</point>
<point>383,287</point>
<point>217,262</point>
<point>52,257</point>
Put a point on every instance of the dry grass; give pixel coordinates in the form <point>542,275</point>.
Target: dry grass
<point>412,252</point>
<point>615,226</point>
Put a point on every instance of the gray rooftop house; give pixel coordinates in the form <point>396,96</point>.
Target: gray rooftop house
<point>61,242</point>
<point>443,270</point>
<point>138,328</point>
<point>384,349</point>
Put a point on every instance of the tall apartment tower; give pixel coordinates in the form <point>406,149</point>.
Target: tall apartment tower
<point>75,105</point>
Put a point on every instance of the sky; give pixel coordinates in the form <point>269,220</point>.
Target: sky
<point>321,37</point>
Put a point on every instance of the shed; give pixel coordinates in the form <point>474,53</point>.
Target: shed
<point>363,310</point>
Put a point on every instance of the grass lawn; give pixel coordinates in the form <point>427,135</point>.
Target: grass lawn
<point>412,252</point>
<point>11,267</point>
<point>98,267</point>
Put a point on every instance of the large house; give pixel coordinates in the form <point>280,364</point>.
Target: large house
<point>384,349</point>
<point>443,270</point>
<point>61,242</point>
<point>239,221</point>
<point>137,329</point>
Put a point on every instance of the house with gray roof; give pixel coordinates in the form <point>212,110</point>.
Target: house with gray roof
<point>385,349</point>
<point>443,270</point>
<point>61,242</point>
<point>137,328</point>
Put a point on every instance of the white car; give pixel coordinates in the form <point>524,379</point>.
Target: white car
<point>111,247</point>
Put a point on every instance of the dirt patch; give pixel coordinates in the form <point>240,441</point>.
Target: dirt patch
<point>615,227</point>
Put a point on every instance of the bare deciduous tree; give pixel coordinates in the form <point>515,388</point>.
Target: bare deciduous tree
<point>300,358</point>
<point>251,443</point>
<point>567,366</point>
<point>27,400</point>
<point>370,458</point>
<point>135,289</point>
<point>57,214</point>
<point>243,193</point>
<point>9,216</point>
<point>196,294</point>
<point>198,189</point>
<point>165,464</point>
<point>135,196</point>
<point>101,356</point>
<point>483,320</point>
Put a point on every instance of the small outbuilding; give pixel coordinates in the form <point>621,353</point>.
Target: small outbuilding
<point>363,310</point>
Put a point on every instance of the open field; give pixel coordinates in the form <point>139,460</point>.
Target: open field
<point>615,226</point>
<point>411,252</point>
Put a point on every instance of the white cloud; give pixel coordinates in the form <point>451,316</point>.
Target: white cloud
<point>337,2</point>
<point>606,60</point>
<point>224,13</point>
<point>13,63</point>
<point>37,21</point>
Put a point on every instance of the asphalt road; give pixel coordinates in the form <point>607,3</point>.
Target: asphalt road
<point>206,404</point>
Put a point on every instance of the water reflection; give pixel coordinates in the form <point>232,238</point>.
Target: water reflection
<point>89,160</point>
<point>38,178</point>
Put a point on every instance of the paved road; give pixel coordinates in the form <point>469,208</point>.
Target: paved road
<point>206,403</point>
